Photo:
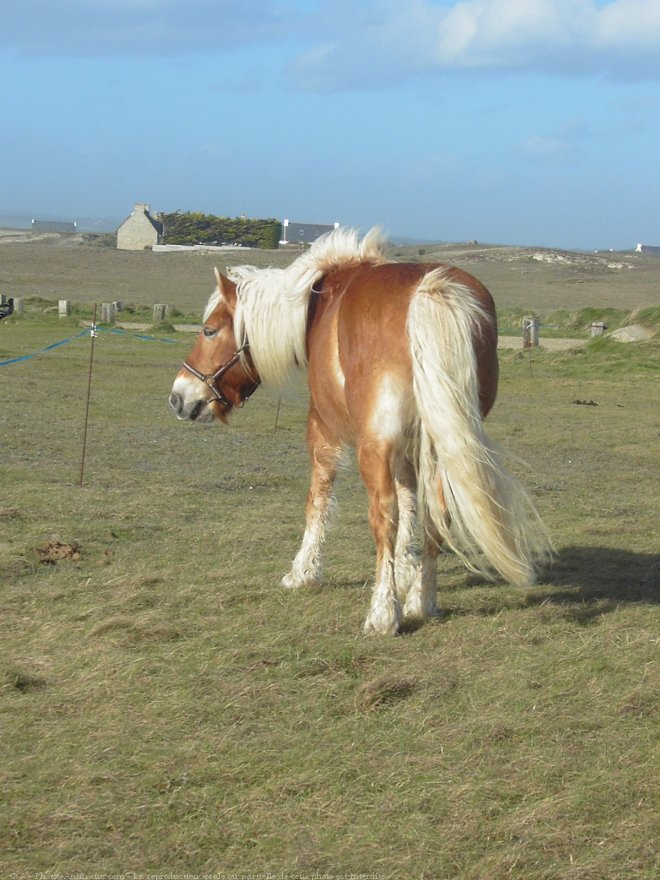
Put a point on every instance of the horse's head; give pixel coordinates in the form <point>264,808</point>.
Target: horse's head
<point>218,374</point>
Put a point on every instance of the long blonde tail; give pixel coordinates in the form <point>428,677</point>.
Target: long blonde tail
<point>480,510</point>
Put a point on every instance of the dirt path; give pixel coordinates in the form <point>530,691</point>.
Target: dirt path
<point>548,344</point>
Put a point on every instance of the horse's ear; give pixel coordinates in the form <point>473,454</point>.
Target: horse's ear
<point>226,287</point>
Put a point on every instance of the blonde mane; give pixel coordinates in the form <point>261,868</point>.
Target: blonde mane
<point>272,304</point>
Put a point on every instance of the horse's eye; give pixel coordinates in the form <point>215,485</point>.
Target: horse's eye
<point>209,332</point>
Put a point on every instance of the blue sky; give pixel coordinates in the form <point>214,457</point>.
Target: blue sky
<point>530,122</point>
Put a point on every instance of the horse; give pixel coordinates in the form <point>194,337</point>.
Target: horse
<point>401,362</point>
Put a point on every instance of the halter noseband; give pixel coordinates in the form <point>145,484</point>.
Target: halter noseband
<point>210,379</point>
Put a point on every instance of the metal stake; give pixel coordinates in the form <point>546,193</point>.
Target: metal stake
<point>89,394</point>
<point>277,415</point>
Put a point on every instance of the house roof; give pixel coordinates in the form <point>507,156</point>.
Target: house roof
<point>304,232</point>
<point>143,210</point>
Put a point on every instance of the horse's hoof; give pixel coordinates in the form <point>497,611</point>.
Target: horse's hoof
<point>295,582</point>
<point>419,611</point>
<point>384,622</point>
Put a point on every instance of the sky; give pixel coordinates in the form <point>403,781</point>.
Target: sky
<point>526,122</point>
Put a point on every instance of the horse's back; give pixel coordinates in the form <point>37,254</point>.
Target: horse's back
<point>359,356</point>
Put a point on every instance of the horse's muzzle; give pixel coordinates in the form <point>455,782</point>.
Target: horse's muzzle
<point>197,410</point>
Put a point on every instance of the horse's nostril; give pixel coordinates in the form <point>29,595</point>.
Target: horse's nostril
<point>197,409</point>
<point>176,402</point>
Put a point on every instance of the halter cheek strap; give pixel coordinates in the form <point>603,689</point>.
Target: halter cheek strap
<point>211,379</point>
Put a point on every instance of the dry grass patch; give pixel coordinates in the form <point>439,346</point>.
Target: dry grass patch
<point>168,708</point>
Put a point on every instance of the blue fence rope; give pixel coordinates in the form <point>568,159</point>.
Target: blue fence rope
<point>142,336</point>
<point>27,357</point>
<point>86,332</point>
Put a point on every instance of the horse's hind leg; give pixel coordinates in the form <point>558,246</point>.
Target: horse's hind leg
<point>376,461</point>
<point>324,453</point>
<point>406,559</point>
<point>415,577</point>
<point>421,601</point>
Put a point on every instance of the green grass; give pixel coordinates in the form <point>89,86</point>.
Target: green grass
<point>38,310</point>
<point>649,316</point>
<point>166,707</point>
<point>588,361</point>
<point>576,323</point>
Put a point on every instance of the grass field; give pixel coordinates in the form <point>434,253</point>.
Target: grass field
<point>167,708</point>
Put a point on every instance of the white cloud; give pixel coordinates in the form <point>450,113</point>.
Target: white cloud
<point>496,32</point>
<point>478,33</point>
<point>630,23</point>
<point>346,44</point>
<point>414,37</point>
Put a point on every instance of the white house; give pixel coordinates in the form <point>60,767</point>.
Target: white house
<point>139,231</point>
<point>303,233</point>
<point>654,250</point>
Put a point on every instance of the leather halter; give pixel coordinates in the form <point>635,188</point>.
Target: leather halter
<point>211,379</point>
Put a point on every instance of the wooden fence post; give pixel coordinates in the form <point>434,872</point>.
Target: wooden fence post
<point>19,305</point>
<point>64,308</point>
<point>107,313</point>
<point>160,310</point>
<point>530,331</point>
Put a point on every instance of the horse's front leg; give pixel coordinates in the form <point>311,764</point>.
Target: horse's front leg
<point>324,453</point>
<point>376,460</point>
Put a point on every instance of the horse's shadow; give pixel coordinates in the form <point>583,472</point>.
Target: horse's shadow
<point>590,581</point>
<point>606,573</point>
<point>587,582</point>
<point>583,582</point>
